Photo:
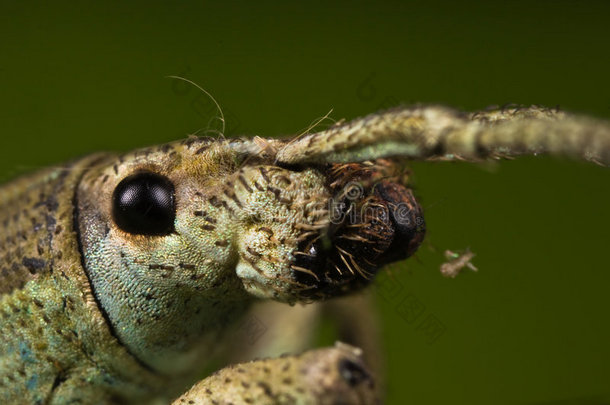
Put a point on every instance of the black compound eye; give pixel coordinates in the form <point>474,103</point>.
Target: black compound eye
<point>144,204</point>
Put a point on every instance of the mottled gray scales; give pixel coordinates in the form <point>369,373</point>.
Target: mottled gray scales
<point>27,221</point>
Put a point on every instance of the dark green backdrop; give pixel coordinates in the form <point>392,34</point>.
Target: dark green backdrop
<point>532,326</point>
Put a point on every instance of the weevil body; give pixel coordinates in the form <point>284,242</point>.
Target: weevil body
<point>122,274</point>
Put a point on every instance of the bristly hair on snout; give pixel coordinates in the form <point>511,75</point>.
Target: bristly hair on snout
<point>373,220</point>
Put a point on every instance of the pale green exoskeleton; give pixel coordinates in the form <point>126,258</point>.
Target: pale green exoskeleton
<point>124,275</point>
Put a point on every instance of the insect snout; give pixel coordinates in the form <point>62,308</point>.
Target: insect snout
<point>323,231</point>
<point>372,222</point>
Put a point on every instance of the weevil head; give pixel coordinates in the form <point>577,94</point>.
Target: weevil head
<point>177,239</point>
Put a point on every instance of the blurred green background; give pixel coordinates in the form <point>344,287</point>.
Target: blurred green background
<point>531,327</point>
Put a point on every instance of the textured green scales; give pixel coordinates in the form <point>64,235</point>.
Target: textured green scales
<point>56,346</point>
<point>60,340</point>
<point>59,346</point>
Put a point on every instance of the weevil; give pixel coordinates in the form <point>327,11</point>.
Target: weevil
<point>122,275</point>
